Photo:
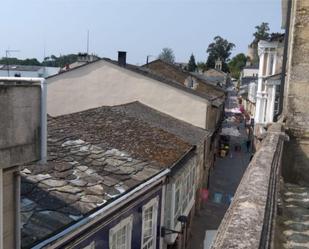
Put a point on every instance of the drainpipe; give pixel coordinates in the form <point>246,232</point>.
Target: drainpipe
<point>1,208</point>
<point>43,83</point>
<point>43,121</point>
<point>17,207</point>
<point>284,61</point>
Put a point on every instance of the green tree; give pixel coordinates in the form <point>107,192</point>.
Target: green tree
<point>236,64</point>
<point>201,66</point>
<point>262,32</point>
<point>15,61</point>
<point>167,55</point>
<point>191,64</point>
<point>61,61</point>
<point>219,49</point>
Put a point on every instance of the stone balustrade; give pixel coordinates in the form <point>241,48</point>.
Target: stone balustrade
<point>249,221</point>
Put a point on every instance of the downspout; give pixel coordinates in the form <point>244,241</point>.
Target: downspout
<point>284,61</point>
<point>17,210</point>
<point>1,208</point>
<point>43,121</point>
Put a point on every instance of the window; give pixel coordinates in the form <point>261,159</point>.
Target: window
<point>121,234</point>
<point>177,209</point>
<point>149,226</point>
<point>184,192</point>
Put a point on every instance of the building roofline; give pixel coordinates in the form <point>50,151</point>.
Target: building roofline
<point>186,72</point>
<point>111,203</point>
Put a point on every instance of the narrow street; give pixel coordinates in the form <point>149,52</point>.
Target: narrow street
<point>224,179</point>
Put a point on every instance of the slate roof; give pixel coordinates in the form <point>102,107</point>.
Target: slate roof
<point>213,90</point>
<point>256,66</point>
<point>94,156</point>
<point>248,80</point>
<point>153,75</point>
<point>185,131</point>
<point>274,77</point>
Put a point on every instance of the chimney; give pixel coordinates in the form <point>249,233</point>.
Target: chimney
<point>122,57</point>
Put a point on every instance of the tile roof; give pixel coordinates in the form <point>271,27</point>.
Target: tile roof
<point>94,156</point>
<point>212,90</point>
<point>185,131</point>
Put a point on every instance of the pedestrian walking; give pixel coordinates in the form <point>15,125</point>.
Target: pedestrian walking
<point>248,144</point>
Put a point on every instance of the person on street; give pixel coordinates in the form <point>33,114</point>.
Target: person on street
<point>248,143</point>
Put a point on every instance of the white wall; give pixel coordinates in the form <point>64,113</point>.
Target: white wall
<point>42,72</point>
<point>103,83</point>
<point>4,73</point>
<point>250,72</point>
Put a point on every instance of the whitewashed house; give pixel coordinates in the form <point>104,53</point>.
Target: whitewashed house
<point>270,53</point>
<point>27,71</point>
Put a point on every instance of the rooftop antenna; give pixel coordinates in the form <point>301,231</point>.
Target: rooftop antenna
<point>7,53</point>
<point>147,59</point>
<point>88,41</point>
<point>44,56</point>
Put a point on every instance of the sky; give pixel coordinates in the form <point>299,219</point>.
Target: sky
<point>140,27</point>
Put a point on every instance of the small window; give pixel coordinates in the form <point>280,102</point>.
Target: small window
<point>149,226</point>
<point>121,234</point>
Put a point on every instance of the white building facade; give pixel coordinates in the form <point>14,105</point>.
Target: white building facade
<point>270,56</point>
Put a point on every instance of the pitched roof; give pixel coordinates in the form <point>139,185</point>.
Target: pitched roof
<point>153,75</point>
<point>94,156</point>
<point>274,77</point>
<point>145,72</point>
<point>248,80</point>
<point>255,66</point>
<point>213,90</point>
<point>185,131</point>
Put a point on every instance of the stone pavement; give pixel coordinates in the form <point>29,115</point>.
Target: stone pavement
<point>224,179</point>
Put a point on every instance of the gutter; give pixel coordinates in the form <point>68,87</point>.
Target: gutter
<point>92,218</point>
<point>43,144</point>
<point>186,156</point>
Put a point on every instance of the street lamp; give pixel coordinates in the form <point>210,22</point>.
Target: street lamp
<point>182,219</point>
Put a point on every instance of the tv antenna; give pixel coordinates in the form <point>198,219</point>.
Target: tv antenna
<point>7,53</point>
<point>87,41</point>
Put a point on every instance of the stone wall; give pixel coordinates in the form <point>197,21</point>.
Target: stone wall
<point>19,143</point>
<point>296,168</point>
<point>20,124</point>
<point>248,223</point>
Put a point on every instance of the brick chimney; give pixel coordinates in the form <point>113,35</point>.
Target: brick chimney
<point>122,58</point>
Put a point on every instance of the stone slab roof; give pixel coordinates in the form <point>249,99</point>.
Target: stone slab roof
<point>248,80</point>
<point>94,156</point>
<point>187,132</point>
<point>212,90</point>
